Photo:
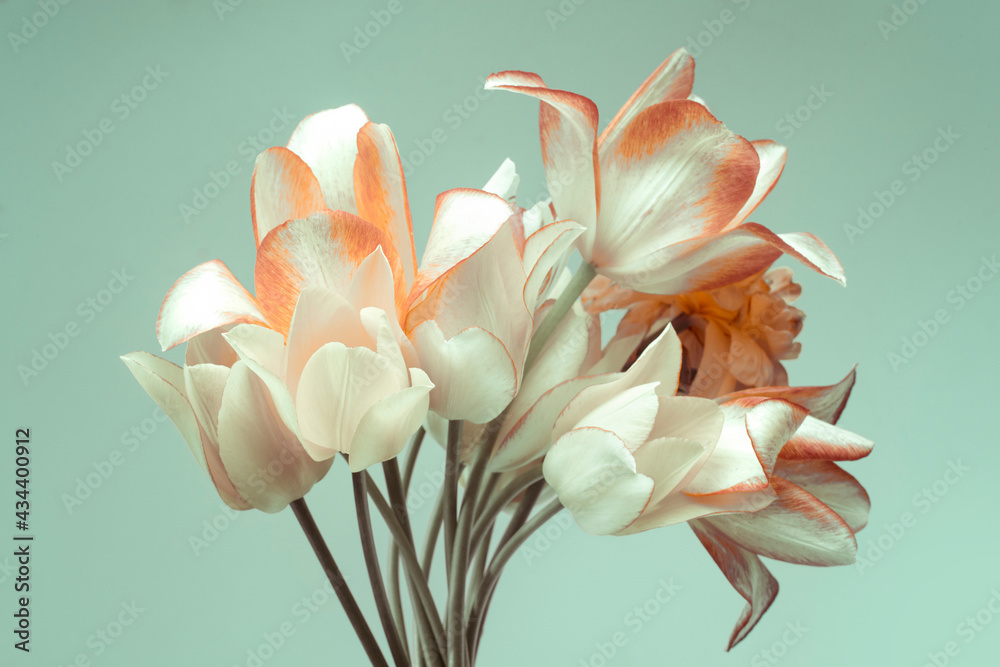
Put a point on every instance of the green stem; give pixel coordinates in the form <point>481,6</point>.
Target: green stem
<point>396,646</point>
<point>452,464</point>
<point>397,496</point>
<point>510,491</point>
<point>413,567</point>
<point>336,578</point>
<point>558,311</point>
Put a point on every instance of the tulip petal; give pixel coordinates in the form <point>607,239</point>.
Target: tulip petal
<point>458,394</point>
<point>795,528</point>
<point>503,183</point>
<point>203,386</point>
<point>818,440</point>
<point>832,486</point>
<point>380,189</point>
<point>210,348</point>
<point>544,252</point>
<point>530,436</point>
<point>629,414</point>
<point>327,142</point>
<point>263,351</point>
<point>772,162</point>
<point>745,572</point>
<point>206,297</point>
<point>164,382</point>
<point>283,188</point>
<point>593,473</point>
<point>464,221</point>
<point>711,262</point>
<point>826,403</point>
<point>264,459</point>
<point>672,80</point>
<point>337,387</point>
<point>324,249</point>
<point>674,173</point>
<point>387,425</point>
<point>568,125</point>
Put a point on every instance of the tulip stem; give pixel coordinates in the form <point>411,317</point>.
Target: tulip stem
<point>433,530</point>
<point>396,646</point>
<point>406,550</point>
<point>397,496</point>
<point>510,491</point>
<point>583,276</point>
<point>517,532</point>
<point>450,489</point>
<point>457,649</point>
<point>338,582</point>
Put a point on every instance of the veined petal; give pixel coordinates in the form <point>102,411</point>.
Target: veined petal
<point>530,436</point>
<point>568,126</point>
<point>387,425</point>
<point>672,80</point>
<point>324,249</point>
<point>593,473</point>
<point>203,386</point>
<point>673,173</point>
<point>818,440</point>
<point>380,190</point>
<point>744,571</point>
<point>458,394</point>
<point>710,262</point>
<point>263,458</point>
<point>826,403</point>
<point>545,251</point>
<point>327,142</point>
<point>772,162</point>
<point>628,414</point>
<point>283,188</point>
<point>205,298</point>
<point>832,486</point>
<point>795,528</point>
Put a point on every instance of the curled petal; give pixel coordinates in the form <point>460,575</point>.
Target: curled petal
<point>772,162</point>
<point>833,486</point>
<point>745,572</point>
<point>387,425</point>
<point>206,297</point>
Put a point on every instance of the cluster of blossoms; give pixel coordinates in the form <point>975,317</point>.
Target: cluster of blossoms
<point>494,346</point>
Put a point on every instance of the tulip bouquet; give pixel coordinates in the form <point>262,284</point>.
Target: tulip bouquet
<point>492,345</point>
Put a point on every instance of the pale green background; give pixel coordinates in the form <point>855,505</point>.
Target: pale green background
<point>120,208</point>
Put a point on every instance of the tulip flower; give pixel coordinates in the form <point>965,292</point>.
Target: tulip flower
<point>226,416</point>
<point>665,191</point>
<point>818,506</point>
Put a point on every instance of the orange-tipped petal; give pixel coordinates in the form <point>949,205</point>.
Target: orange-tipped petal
<point>673,173</point>
<point>205,298</point>
<point>324,249</point>
<point>826,403</point>
<point>795,528</point>
<point>327,142</point>
<point>283,188</point>
<point>380,191</point>
<point>745,572</point>
<point>464,221</point>
<point>568,126</point>
<point>817,440</point>
<point>672,80</point>
<point>772,162</point>
<point>832,485</point>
